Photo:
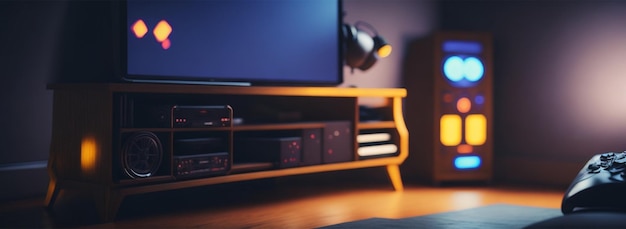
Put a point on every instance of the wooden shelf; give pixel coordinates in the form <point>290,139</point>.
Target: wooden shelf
<point>90,124</point>
<point>233,90</point>
<point>278,126</point>
<point>259,175</point>
<point>377,125</point>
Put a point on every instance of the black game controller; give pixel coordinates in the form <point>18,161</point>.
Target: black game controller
<point>599,185</point>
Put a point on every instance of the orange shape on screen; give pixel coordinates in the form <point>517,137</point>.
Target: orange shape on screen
<point>162,31</point>
<point>166,44</point>
<point>139,28</point>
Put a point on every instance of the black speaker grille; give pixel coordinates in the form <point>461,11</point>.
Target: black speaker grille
<point>142,154</point>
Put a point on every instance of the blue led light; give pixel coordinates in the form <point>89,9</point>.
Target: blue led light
<point>467,162</point>
<point>453,68</point>
<point>479,99</point>
<point>462,46</point>
<point>474,69</point>
<point>463,71</point>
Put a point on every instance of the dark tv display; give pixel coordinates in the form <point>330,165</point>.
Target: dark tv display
<point>256,42</point>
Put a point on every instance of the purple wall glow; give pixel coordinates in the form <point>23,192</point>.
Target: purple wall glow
<point>398,21</point>
<point>560,74</point>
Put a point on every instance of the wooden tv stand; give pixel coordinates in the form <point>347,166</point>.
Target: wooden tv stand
<point>90,123</point>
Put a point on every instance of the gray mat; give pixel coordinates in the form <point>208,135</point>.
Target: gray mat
<point>492,216</point>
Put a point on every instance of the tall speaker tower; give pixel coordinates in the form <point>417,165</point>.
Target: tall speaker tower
<point>449,107</point>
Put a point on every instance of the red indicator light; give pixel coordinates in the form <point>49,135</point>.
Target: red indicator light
<point>312,136</point>
<point>447,98</point>
<point>464,148</point>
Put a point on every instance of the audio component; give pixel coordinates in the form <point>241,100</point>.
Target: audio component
<point>201,165</point>
<point>283,152</point>
<point>449,82</point>
<point>374,145</point>
<point>338,142</point>
<point>311,147</point>
<point>141,154</point>
<point>201,116</point>
<point>139,113</point>
<point>201,157</point>
<point>191,146</point>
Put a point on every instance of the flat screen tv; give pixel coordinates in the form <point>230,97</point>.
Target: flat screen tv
<point>242,42</point>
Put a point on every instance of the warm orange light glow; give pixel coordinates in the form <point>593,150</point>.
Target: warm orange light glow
<point>464,105</point>
<point>464,148</point>
<point>475,129</point>
<point>450,130</point>
<point>139,28</point>
<point>162,31</point>
<point>384,51</point>
<point>88,154</point>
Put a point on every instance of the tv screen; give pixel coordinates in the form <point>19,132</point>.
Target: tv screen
<point>249,42</point>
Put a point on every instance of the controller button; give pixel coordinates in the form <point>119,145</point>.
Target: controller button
<point>593,166</point>
<point>615,170</point>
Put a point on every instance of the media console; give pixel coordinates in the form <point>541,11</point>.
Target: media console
<point>114,140</point>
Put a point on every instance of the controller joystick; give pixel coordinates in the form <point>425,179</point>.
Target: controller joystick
<point>600,184</point>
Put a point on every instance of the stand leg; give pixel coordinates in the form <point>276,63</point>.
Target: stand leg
<point>107,202</point>
<point>53,193</point>
<point>395,177</point>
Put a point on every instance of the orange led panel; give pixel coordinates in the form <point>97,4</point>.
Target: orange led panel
<point>88,155</point>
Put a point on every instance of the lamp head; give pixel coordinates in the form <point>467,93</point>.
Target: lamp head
<point>363,50</point>
<point>383,49</point>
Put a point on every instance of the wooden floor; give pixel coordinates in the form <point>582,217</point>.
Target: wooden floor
<point>275,203</point>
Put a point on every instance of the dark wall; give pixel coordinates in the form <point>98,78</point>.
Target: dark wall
<point>560,74</point>
<point>29,34</point>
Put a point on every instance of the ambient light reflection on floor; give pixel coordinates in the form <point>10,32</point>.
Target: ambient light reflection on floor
<point>306,207</point>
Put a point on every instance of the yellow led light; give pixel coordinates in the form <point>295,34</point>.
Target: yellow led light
<point>475,129</point>
<point>450,129</point>
<point>162,31</point>
<point>139,28</point>
<point>384,51</point>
